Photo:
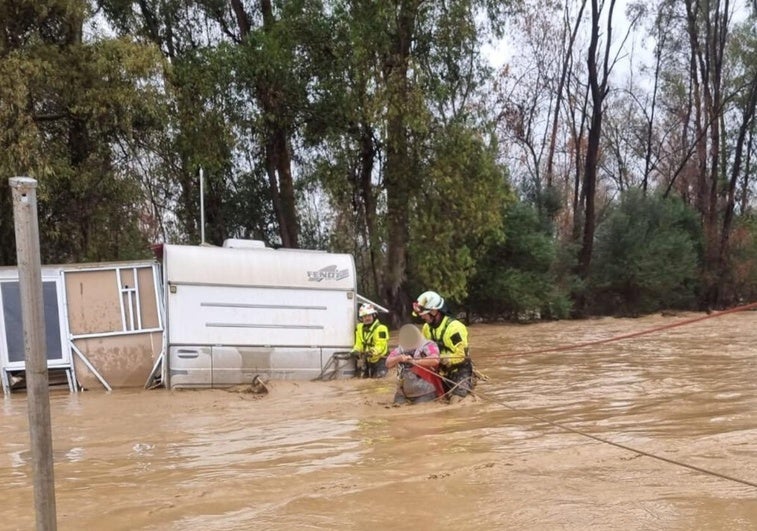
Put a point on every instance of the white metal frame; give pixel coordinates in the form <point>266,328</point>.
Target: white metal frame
<point>4,381</point>
<point>366,300</point>
<point>160,367</point>
<point>64,363</point>
<point>161,298</point>
<point>65,359</point>
<point>132,295</point>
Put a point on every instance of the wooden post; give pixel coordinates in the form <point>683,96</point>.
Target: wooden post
<point>24,191</point>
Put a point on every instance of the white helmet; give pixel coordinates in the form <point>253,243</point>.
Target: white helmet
<point>366,309</point>
<point>427,301</point>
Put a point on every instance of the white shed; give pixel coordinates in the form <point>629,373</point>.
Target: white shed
<point>103,324</point>
<point>236,311</point>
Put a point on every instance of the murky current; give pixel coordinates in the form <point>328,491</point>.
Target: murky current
<point>334,456</point>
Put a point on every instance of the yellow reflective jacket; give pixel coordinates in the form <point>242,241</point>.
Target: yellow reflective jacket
<point>373,340</point>
<point>452,338</point>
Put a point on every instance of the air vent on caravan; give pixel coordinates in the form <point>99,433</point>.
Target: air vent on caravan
<point>233,243</point>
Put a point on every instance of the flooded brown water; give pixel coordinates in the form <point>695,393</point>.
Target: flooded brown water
<point>333,456</point>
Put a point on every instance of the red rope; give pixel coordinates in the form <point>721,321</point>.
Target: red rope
<point>597,438</point>
<point>637,334</point>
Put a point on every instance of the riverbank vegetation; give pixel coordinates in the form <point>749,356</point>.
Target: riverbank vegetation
<point>526,159</point>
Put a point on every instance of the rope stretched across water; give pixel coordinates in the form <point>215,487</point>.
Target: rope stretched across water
<point>603,440</point>
<point>622,446</point>
<point>661,328</point>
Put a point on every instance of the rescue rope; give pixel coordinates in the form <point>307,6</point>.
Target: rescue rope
<point>621,446</point>
<point>685,322</point>
<point>602,440</point>
<point>451,390</point>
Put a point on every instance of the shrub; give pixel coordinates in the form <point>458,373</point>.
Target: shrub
<point>515,278</point>
<point>646,257</point>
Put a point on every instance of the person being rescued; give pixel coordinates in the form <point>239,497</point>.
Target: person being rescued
<point>451,336</point>
<point>416,360</point>
<point>371,344</point>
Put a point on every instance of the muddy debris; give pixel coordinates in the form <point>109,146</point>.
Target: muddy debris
<point>258,387</point>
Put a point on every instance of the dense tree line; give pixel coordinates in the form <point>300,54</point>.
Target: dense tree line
<point>607,167</point>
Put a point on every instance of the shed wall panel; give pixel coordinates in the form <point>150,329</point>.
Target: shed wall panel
<point>93,305</point>
<point>124,361</point>
<point>127,278</point>
<point>148,303</point>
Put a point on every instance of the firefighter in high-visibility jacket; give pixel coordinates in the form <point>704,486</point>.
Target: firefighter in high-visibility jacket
<point>371,344</point>
<point>451,336</point>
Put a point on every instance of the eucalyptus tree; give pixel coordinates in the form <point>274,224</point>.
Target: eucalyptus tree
<point>71,103</point>
<point>407,152</point>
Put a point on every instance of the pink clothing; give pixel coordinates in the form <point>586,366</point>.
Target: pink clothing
<point>417,382</point>
<point>427,350</point>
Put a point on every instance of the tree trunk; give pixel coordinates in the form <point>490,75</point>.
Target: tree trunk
<point>278,157</point>
<point>79,151</point>
<point>589,191</point>
<point>565,69</point>
<point>7,234</point>
<point>747,171</point>
<point>707,53</point>
<point>578,135</point>
<point>696,94</point>
<point>398,167</point>
<point>598,91</point>
<point>748,114</point>
<point>661,38</point>
<point>367,160</point>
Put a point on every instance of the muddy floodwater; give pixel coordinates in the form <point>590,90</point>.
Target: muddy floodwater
<point>334,456</point>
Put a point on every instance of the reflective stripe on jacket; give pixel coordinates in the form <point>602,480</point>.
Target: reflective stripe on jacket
<point>452,338</point>
<point>372,339</point>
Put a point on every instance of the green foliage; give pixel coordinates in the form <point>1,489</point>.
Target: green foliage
<point>203,112</point>
<point>646,256</point>
<point>73,112</point>
<point>402,143</point>
<point>515,278</point>
<point>456,216</point>
<point>368,127</point>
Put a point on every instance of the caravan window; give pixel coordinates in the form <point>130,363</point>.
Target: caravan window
<point>14,333</point>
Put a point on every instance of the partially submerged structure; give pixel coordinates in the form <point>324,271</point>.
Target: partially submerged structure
<point>103,324</point>
<point>236,311</point>
<point>209,317</point>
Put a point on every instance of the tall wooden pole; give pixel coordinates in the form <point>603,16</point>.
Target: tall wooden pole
<point>24,191</point>
<point>202,207</point>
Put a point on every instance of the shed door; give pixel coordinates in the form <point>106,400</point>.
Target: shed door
<point>13,328</point>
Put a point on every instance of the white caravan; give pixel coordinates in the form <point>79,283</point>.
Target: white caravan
<point>236,311</point>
